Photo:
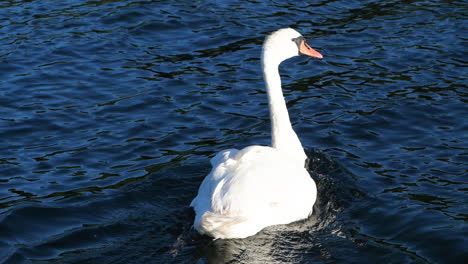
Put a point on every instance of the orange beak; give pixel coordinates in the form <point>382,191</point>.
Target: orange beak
<point>306,50</point>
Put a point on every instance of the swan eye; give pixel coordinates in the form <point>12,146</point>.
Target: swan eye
<point>298,40</point>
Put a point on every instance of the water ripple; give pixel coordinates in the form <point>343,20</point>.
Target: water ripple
<point>110,111</point>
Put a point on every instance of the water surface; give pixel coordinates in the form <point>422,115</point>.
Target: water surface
<point>110,111</point>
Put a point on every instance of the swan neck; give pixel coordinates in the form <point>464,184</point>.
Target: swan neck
<point>283,135</point>
<point>278,110</point>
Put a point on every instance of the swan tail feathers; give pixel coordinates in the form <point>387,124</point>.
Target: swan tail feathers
<point>218,225</point>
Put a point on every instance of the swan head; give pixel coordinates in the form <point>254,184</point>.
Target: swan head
<point>284,44</point>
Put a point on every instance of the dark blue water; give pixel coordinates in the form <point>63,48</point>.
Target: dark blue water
<point>110,111</point>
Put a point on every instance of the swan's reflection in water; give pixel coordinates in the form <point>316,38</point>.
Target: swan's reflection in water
<point>275,244</point>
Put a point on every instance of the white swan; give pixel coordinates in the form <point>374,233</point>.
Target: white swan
<point>259,186</point>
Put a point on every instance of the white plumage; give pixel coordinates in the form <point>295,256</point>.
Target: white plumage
<point>259,186</point>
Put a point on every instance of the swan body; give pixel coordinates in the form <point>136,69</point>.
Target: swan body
<point>259,186</point>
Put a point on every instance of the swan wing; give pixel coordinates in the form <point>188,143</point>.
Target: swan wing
<point>220,163</point>
<point>263,183</point>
